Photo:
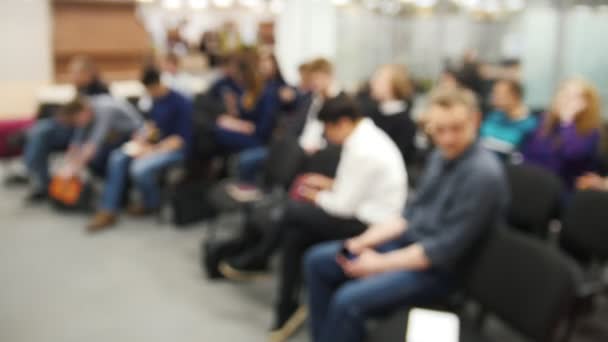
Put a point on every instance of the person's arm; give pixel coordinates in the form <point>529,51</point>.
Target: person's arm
<point>354,178</point>
<point>370,262</point>
<point>377,235</point>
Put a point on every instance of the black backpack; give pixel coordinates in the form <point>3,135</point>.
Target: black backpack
<point>189,203</point>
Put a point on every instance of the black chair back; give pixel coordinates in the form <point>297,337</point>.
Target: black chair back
<point>585,223</point>
<point>535,198</point>
<point>524,282</point>
<point>285,159</point>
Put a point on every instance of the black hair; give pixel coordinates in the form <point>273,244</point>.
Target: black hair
<point>150,77</point>
<point>342,106</point>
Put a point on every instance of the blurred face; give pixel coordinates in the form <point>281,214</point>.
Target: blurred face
<point>320,82</point>
<point>448,80</point>
<point>305,80</point>
<point>80,76</point>
<point>381,85</point>
<point>453,129</point>
<point>338,132</point>
<point>267,67</point>
<point>570,99</point>
<point>503,98</point>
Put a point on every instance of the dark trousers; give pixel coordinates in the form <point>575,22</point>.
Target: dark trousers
<point>339,305</point>
<point>302,226</point>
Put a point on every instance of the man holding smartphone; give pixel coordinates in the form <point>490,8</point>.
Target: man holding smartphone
<point>415,258</point>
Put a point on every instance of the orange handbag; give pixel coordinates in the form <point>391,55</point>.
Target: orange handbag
<point>66,191</point>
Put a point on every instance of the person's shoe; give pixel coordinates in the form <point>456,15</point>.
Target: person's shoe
<point>36,197</point>
<point>244,268</point>
<point>288,324</point>
<point>139,210</point>
<point>101,221</point>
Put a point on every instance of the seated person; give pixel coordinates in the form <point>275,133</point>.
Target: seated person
<point>392,90</point>
<point>251,160</point>
<point>174,78</point>
<point>102,124</point>
<point>226,88</point>
<point>567,141</point>
<point>162,142</point>
<point>252,123</point>
<point>507,127</point>
<point>414,259</point>
<point>85,77</point>
<point>370,186</point>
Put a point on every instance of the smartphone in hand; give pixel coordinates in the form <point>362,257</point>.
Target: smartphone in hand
<point>346,254</point>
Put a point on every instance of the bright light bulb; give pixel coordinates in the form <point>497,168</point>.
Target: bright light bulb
<point>198,4</point>
<point>172,4</point>
<point>251,3</point>
<point>341,2</point>
<point>223,3</point>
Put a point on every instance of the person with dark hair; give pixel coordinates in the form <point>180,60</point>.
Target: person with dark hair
<point>414,258</point>
<point>163,141</point>
<point>369,187</point>
<point>507,127</point>
<point>85,77</point>
<point>101,124</point>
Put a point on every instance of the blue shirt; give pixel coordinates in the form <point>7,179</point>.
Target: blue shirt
<point>172,115</point>
<point>456,203</point>
<point>262,115</point>
<point>501,134</point>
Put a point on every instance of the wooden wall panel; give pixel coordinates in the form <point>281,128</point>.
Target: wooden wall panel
<point>107,31</point>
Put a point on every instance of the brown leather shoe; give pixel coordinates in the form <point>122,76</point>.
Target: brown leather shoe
<point>101,221</point>
<point>138,210</point>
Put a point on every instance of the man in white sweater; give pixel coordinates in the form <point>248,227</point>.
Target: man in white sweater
<point>370,187</point>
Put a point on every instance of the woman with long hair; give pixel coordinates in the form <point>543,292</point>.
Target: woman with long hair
<point>251,124</point>
<point>567,140</point>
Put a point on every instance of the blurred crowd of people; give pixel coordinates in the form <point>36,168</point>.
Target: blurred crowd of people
<point>358,157</point>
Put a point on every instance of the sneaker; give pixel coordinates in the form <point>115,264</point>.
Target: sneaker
<point>290,322</point>
<point>244,268</point>
<point>101,221</point>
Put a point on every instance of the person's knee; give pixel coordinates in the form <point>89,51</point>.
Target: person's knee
<point>117,158</point>
<point>345,305</point>
<point>141,174</point>
<point>39,132</point>
<point>318,256</point>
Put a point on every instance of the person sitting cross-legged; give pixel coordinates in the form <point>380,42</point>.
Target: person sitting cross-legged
<point>417,258</point>
<point>163,141</point>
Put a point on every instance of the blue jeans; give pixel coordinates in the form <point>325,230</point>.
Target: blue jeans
<point>144,174</point>
<point>250,163</point>
<point>45,137</point>
<point>339,306</point>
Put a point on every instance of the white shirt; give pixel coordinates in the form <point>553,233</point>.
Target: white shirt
<point>371,180</point>
<point>312,135</point>
<point>392,107</point>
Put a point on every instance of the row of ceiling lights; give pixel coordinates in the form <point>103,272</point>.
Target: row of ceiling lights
<point>272,5</point>
<point>391,7</point>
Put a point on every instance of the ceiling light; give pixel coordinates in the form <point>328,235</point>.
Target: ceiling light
<point>198,4</point>
<point>223,3</point>
<point>172,4</point>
